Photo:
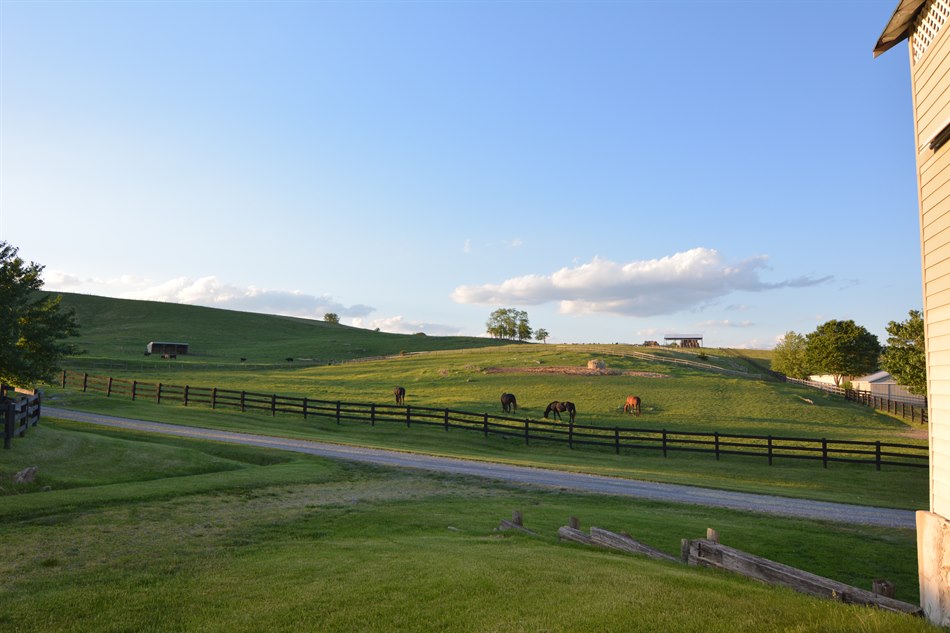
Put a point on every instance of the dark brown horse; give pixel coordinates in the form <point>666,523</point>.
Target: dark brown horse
<point>632,405</point>
<point>508,402</point>
<point>400,394</point>
<point>560,407</point>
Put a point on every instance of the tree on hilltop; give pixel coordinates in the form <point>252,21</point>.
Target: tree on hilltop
<point>509,323</point>
<point>33,327</point>
<point>331,317</point>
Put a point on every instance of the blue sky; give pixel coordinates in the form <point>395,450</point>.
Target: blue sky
<point>619,170</point>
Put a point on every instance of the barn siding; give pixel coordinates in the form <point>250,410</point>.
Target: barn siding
<point>930,78</point>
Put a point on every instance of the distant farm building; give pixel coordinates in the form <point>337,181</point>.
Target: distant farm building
<point>685,340</point>
<point>167,348</point>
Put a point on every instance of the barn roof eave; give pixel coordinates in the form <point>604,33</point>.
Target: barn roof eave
<point>898,27</point>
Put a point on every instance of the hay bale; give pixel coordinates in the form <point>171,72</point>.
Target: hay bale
<point>596,364</point>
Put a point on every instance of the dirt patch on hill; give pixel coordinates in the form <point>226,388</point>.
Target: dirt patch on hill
<point>572,371</point>
<point>917,434</point>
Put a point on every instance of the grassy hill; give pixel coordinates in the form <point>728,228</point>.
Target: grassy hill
<point>120,329</point>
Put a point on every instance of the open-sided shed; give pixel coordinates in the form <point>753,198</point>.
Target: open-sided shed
<point>156,347</point>
<point>685,340</point>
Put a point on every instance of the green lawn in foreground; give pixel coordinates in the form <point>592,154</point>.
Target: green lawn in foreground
<point>242,539</point>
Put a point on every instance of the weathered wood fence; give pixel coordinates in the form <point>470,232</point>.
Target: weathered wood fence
<point>618,439</point>
<point>708,552</point>
<point>20,409</point>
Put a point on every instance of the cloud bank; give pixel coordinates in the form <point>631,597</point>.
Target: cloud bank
<point>646,288</point>
<point>211,292</point>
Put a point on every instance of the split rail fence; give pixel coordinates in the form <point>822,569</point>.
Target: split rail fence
<point>618,439</point>
<point>20,410</point>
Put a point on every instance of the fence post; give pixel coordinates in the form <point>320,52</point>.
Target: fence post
<point>716,435</point>
<point>770,450</point>
<point>214,397</point>
<point>109,388</point>
<point>305,408</point>
<point>877,455</point>
<point>485,423</point>
<point>337,411</point>
<point>273,405</point>
<point>243,404</point>
<point>526,432</point>
<point>445,419</point>
<point>8,424</point>
<point>664,442</point>
<point>408,416</point>
<point>372,415</point>
<point>85,381</point>
<point>186,395</point>
<point>570,435</point>
<point>824,453</point>
<point>617,440</point>
<point>134,385</point>
<point>158,394</point>
<point>64,379</point>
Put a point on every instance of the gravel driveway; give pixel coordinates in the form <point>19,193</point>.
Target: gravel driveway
<point>785,506</point>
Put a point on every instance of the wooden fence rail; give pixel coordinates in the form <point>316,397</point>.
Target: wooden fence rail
<point>530,431</point>
<point>19,413</point>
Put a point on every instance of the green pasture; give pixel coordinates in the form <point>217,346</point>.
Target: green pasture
<point>675,397</point>
<point>116,332</point>
<point>125,531</point>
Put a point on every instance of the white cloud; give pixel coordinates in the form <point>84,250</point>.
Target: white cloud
<point>725,323</point>
<point>399,325</point>
<point>208,291</point>
<point>681,281</point>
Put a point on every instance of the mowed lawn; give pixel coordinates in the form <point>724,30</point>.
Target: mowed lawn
<point>130,532</point>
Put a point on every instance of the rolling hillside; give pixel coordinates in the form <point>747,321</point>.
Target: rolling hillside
<point>120,329</point>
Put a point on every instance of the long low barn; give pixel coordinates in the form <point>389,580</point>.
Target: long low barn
<point>155,347</point>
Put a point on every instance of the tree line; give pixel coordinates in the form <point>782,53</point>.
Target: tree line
<point>844,348</point>
<point>513,324</point>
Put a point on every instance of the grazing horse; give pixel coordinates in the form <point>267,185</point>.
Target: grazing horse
<point>508,402</point>
<point>559,407</point>
<point>632,405</point>
<point>400,393</point>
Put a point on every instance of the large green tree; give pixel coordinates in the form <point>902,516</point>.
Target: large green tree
<point>509,323</point>
<point>788,357</point>
<point>33,327</point>
<point>904,357</point>
<point>842,348</point>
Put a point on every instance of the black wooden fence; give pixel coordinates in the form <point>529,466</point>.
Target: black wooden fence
<point>529,430</point>
<point>20,410</point>
<point>913,408</point>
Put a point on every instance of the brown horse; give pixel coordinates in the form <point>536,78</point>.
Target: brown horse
<point>508,402</point>
<point>400,394</point>
<point>632,405</point>
<point>559,407</point>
